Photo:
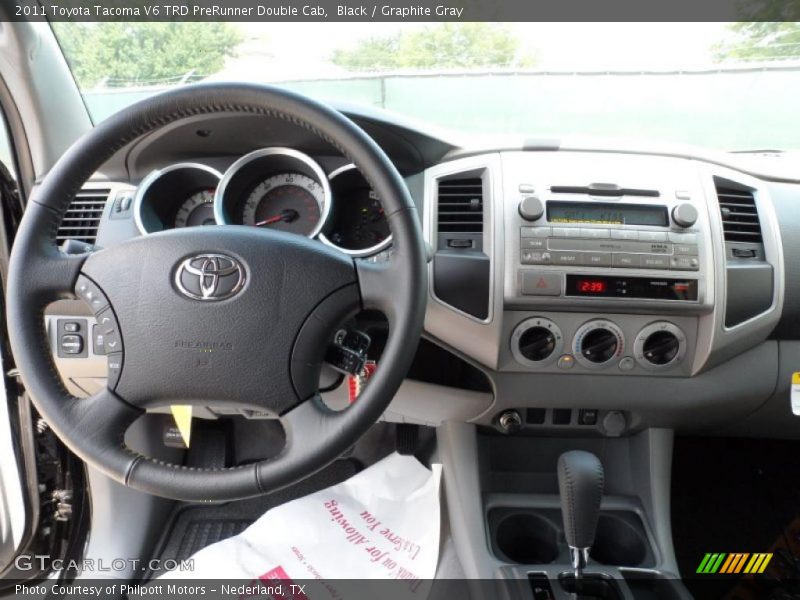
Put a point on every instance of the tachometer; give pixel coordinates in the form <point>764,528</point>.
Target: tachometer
<point>197,209</point>
<point>288,202</point>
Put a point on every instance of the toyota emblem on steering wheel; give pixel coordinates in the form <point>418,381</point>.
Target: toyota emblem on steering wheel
<point>210,277</point>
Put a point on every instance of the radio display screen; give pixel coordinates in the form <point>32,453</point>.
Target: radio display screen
<point>607,213</point>
<point>631,287</point>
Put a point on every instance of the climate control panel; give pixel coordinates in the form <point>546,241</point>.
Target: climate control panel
<point>620,344</point>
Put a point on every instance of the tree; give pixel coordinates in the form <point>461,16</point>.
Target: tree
<point>125,54</point>
<point>449,45</point>
<point>761,41</point>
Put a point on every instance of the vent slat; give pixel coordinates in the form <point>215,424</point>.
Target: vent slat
<point>82,219</point>
<point>740,222</point>
<point>460,205</point>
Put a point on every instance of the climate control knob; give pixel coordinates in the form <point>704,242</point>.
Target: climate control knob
<point>659,345</point>
<point>531,208</point>
<point>598,344</point>
<point>536,342</point>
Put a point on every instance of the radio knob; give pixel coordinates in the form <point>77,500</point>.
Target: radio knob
<point>661,348</point>
<point>599,346</point>
<point>684,214</point>
<point>531,208</point>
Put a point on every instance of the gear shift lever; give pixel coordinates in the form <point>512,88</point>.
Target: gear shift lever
<point>580,484</point>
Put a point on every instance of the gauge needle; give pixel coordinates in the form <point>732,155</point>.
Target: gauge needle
<point>288,215</point>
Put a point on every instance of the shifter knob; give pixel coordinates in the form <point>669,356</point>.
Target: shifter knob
<point>580,484</point>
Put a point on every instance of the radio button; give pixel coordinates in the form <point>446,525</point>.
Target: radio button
<point>685,263</point>
<point>653,236</point>
<point>655,262</point>
<point>685,249</point>
<point>566,232</point>
<point>527,232</point>
<point>596,234</point>
<point>533,243</point>
<point>540,283</point>
<point>534,257</point>
<point>597,259</point>
<point>624,234</point>
<point>682,238</point>
<point>567,258</point>
<point>627,261</point>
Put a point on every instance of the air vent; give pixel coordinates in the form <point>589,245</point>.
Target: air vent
<point>737,205</point>
<point>461,205</point>
<point>83,216</point>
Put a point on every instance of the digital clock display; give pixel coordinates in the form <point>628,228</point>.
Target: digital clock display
<point>591,286</point>
<point>632,287</point>
<point>607,213</point>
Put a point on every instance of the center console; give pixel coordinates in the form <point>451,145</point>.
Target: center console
<point>599,264</point>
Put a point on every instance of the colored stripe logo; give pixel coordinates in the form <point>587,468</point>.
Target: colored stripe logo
<point>733,563</point>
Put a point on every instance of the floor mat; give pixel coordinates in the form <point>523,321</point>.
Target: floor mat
<point>193,527</point>
<point>737,496</point>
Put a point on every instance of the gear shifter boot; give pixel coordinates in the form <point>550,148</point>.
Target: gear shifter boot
<point>580,484</point>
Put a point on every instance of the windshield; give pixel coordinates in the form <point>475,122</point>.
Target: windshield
<point>725,86</point>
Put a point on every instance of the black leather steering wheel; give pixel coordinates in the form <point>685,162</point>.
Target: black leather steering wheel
<point>255,341</point>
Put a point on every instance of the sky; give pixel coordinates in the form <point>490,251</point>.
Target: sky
<point>303,50</point>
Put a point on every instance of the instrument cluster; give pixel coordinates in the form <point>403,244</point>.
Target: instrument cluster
<point>272,188</point>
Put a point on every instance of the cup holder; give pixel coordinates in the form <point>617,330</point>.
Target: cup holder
<point>619,542</point>
<point>534,536</point>
<point>526,538</point>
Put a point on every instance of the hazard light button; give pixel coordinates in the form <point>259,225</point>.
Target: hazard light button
<point>541,283</point>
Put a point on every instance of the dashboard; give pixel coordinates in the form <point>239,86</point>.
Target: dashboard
<point>598,289</point>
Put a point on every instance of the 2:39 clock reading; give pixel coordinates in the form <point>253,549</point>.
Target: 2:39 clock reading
<point>592,286</point>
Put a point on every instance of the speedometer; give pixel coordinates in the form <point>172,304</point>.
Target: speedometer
<point>289,202</point>
<point>278,189</point>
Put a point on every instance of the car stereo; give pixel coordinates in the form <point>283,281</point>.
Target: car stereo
<point>641,247</point>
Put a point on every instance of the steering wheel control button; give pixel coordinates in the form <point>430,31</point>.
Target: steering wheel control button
<point>536,342</point>
<point>70,341</point>
<point>98,341</point>
<point>210,277</point>
<point>540,283</point>
<point>660,345</point>
<point>114,369</point>
<point>598,344</point>
<point>87,291</point>
<point>71,344</point>
<point>348,352</point>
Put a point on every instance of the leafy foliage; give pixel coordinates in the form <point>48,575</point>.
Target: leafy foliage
<point>449,45</point>
<point>761,41</point>
<point>123,54</point>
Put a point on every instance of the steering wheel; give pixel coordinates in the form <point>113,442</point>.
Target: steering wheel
<point>226,316</point>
